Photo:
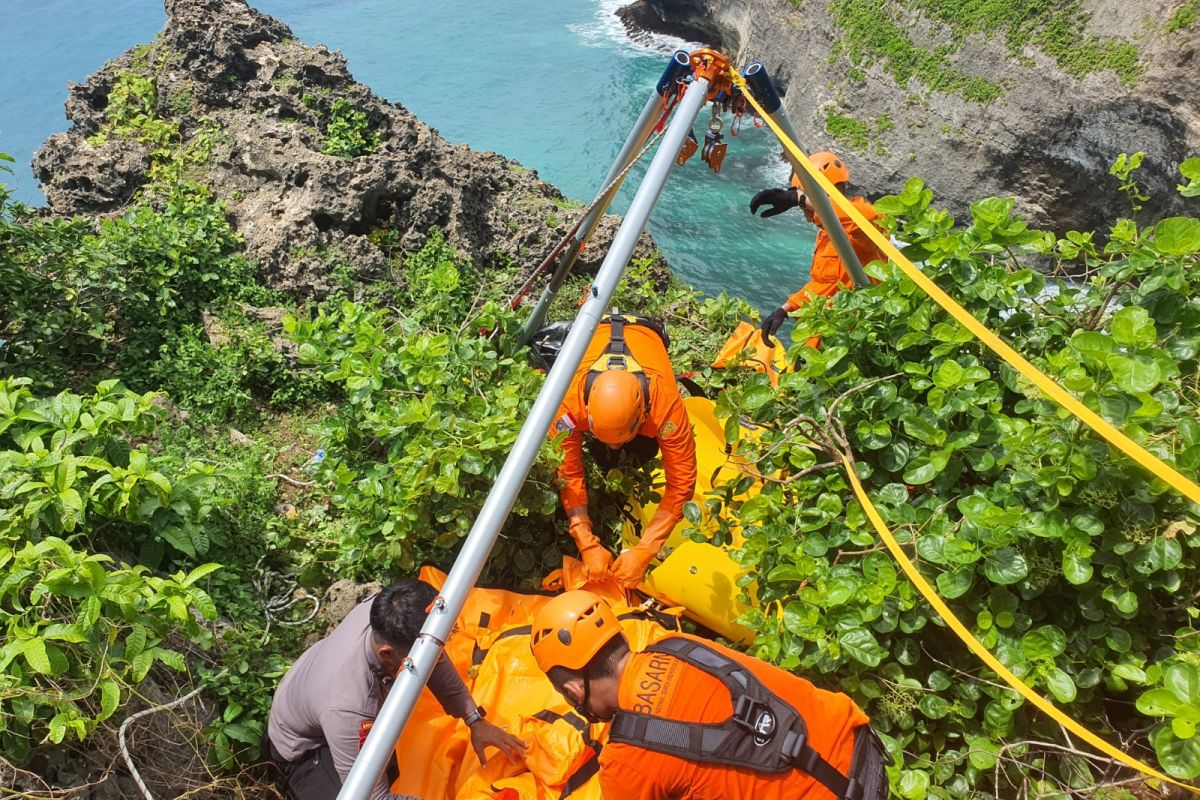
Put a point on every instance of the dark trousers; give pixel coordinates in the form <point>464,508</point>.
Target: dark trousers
<point>310,777</point>
<point>636,452</point>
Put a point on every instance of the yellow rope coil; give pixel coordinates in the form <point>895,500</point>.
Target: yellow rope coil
<point>1131,448</point>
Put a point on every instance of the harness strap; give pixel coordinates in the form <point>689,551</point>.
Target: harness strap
<point>712,742</point>
<point>591,767</point>
<point>617,355</point>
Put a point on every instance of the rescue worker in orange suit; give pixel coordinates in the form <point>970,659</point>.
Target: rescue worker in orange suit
<point>828,274</point>
<point>624,401</point>
<point>694,720</point>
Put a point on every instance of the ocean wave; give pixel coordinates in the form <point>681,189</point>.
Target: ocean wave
<point>606,29</point>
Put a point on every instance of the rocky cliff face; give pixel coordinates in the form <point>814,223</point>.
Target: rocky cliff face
<point>269,105</point>
<point>1047,139</point>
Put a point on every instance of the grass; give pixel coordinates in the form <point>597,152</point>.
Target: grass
<point>1186,16</point>
<point>874,32</point>
<point>856,133</point>
<point>847,130</point>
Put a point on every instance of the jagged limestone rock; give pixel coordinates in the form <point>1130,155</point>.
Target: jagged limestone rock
<point>303,212</point>
<point>1048,140</point>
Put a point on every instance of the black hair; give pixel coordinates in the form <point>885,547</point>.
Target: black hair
<point>604,664</point>
<point>399,611</point>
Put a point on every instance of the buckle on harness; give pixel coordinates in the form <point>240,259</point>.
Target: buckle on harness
<point>757,718</point>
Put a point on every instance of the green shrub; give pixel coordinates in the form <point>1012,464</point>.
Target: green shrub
<point>431,410</point>
<point>1067,560</point>
<point>348,132</point>
<point>79,633</point>
<point>80,629</point>
<point>231,381</point>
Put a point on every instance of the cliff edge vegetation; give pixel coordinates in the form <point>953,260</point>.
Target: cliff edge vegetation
<point>203,457</point>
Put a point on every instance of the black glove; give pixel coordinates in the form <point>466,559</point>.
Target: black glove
<point>780,200</point>
<point>772,324</point>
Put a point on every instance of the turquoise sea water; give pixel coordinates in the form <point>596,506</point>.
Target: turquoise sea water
<point>552,83</point>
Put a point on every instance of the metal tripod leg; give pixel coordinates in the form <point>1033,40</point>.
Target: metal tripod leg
<point>428,648</point>
<point>677,67</point>
<point>764,91</point>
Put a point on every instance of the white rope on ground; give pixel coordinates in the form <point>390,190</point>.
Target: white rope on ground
<point>300,484</point>
<point>137,776</point>
<point>275,601</point>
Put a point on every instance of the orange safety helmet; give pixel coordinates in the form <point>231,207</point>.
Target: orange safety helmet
<point>830,166</point>
<point>616,406</point>
<point>570,629</point>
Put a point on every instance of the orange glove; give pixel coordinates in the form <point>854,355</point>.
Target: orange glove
<point>630,566</point>
<point>595,556</point>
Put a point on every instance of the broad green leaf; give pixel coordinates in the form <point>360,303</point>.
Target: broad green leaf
<point>1045,643</point>
<point>243,733</point>
<point>1005,566</point>
<point>200,572</point>
<point>135,641</point>
<point>1132,327</point>
<point>1127,602</point>
<point>982,753</point>
<point>35,654</point>
<point>913,784</point>
<point>1130,672</point>
<point>955,584</point>
<point>1178,236</point>
<point>934,706</point>
<point>110,698</point>
<point>1179,757</point>
<point>921,471</point>
<point>1093,345</point>
<point>948,374</point>
<point>1134,374</point>
<point>1183,679</point>
<point>1076,568</point>
<point>861,644</point>
<point>757,397</point>
<point>178,539</point>
<point>1060,685</point>
<point>1158,703</point>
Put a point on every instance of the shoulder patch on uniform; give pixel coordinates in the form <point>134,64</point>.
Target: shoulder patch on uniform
<point>667,428</point>
<point>565,423</point>
<point>364,728</point>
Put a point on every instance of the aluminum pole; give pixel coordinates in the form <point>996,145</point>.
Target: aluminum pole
<point>398,706</point>
<point>679,65</point>
<point>764,91</point>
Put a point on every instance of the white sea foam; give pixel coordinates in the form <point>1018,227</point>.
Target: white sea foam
<point>605,28</point>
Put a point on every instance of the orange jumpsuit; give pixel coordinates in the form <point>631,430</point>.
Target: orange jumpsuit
<point>667,421</point>
<point>661,685</point>
<point>828,275</point>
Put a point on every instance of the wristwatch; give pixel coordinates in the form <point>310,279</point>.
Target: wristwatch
<point>479,713</point>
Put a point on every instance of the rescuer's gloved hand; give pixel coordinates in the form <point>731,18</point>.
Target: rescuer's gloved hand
<point>779,200</point>
<point>630,566</point>
<point>597,562</point>
<point>595,556</point>
<point>772,324</point>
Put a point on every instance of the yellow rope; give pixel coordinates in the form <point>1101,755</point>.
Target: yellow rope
<point>1152,463</point>
<point>978,649</point>
<point>1045,384</point>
